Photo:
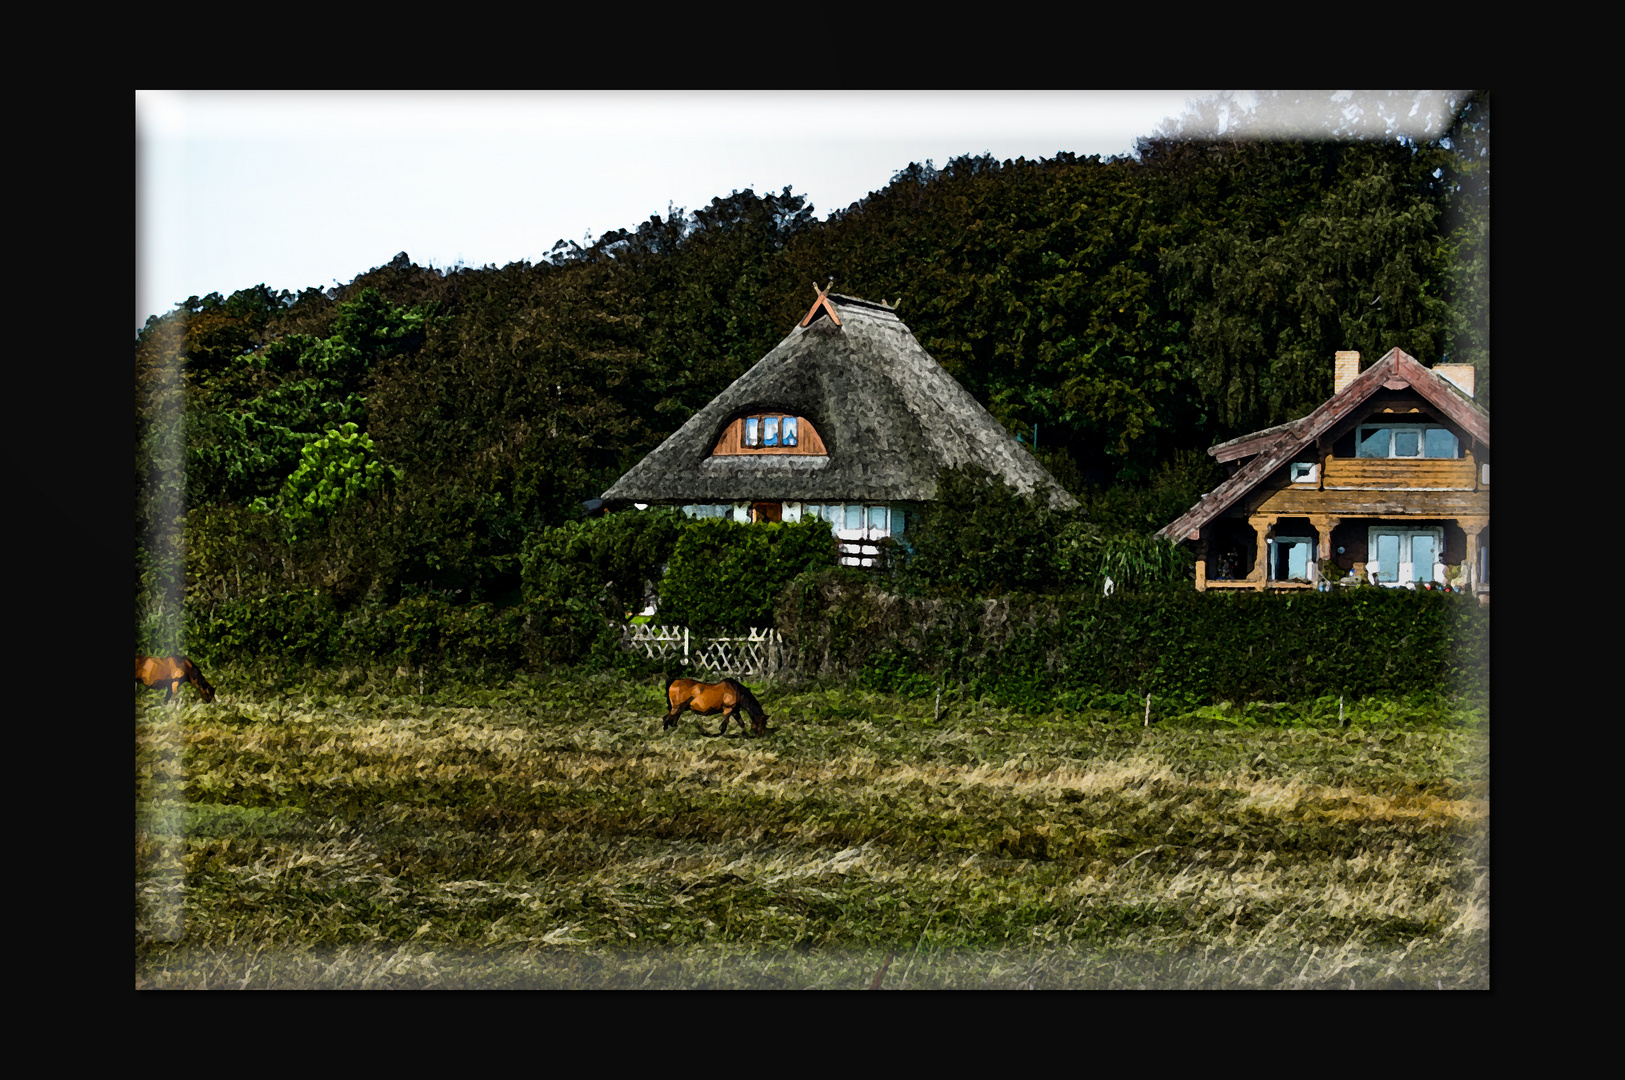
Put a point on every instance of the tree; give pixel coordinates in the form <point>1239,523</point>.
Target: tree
<point>1344,253</point>
<point>249,420</point>
<point>333,470</point>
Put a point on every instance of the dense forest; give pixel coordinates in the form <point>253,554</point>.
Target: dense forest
<point>406,435</point>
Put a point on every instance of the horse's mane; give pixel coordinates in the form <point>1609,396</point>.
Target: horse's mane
<point>746,698</point>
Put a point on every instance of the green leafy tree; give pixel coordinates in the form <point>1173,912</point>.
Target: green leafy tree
<point>249,421</point>
<point>333,469</point>
<point>1467,174</point>
<point>1285,253</point>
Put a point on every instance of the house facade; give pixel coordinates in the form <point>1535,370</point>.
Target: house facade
<point>848,420</point>
<point>1387,482</point>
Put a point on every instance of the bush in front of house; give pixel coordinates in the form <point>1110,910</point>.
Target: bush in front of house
<point>580,578</point>
<point>724,575</point>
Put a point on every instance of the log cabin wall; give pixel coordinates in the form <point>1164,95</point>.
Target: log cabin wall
<point>1420,492</point>
<point>1345,496</point>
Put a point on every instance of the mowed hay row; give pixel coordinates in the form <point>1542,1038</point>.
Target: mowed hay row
<point>354,842</point>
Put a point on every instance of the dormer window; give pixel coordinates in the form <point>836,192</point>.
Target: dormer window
<point>1406,441</point>
<point>769,433</point>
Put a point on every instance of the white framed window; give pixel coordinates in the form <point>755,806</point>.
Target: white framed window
<point>1400,556</point>
<point>857,526</point>
<point>732,511</point>
<point>1413,441</point>
<point>1290,558</point>
<point>1304,472</point>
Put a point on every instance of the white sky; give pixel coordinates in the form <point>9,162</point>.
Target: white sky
<point>302,189</point>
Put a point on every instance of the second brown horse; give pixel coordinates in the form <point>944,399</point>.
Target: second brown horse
<point>170,672</point>
<point>726,697</point>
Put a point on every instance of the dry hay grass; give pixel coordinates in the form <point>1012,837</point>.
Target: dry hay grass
<point>376,841</point>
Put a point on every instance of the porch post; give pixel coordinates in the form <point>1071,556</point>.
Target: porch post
<point>1262,526</point>
<point>1201,561</point>
<point>1323,527</point>
<point>1471,528</point>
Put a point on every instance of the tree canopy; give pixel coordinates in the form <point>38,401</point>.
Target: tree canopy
<point>1124,313</point>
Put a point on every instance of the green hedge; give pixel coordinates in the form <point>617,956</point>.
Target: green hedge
<point>1194,647</point>
<point>1061,649</point>
<point>608,561</point>
<point>308,628</point>
<point>726,576</point>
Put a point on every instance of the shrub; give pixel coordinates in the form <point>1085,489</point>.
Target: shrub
<point>582,575</point>
<point>982,538</point>
<point>726,575</point>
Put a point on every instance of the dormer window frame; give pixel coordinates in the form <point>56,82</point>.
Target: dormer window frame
<point>1405,442</point>
<point>764,431</point>
<point>769,431</point>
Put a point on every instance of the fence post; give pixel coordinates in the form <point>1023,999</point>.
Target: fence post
<point>685,646</point>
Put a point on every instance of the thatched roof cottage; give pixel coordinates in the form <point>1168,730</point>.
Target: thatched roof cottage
<point>847,419</point>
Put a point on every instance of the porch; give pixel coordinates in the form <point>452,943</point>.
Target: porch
<point>1283,553</point>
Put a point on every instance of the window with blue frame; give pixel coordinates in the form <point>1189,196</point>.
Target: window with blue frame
<point>1290,558</point>
<point>1406,441</point>
<point>1399,556</point>
<point>882,520</point>
<point>709,510</point>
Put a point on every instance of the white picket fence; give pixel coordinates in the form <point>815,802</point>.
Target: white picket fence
<point>758,653</point>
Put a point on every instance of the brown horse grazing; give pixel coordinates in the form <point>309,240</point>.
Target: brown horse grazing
<point>726,697</point>
<point>169,672</point>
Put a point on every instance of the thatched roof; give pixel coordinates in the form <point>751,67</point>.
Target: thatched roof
<point>890,418</point>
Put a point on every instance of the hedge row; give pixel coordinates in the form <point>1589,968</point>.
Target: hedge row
<point>1059,651</point>
<point>307,628</point>
<point>581,580</point>
<point>1194,647</point>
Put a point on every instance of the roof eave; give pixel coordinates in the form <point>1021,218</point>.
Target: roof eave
<point>1396,370</point>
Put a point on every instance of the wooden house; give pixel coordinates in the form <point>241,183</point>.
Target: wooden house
<point>1388,482</point>
<point>848,419</point>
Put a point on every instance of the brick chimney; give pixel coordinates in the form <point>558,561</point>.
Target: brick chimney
<point>1345,366</point>
<point>1459,374</point>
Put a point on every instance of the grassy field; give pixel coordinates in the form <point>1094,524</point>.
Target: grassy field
<point>352,832</point>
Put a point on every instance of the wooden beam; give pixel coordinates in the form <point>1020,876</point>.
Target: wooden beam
<point>822,302</point>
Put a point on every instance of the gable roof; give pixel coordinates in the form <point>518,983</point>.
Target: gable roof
<point>890,418</point>
<point>1275,446</point>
